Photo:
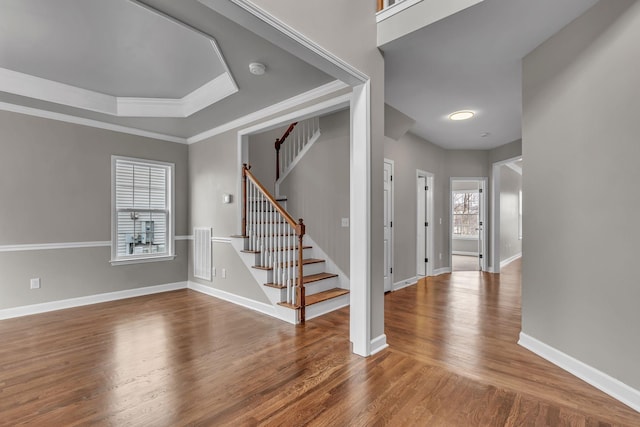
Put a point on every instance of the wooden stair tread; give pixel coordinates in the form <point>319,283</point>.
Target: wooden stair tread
<point>289,248</point>
<point>316,277</point>
<point>305,261</point>
<point>291,306</point>
<point>305,279</point>
<point>317,298</point>
<point>325,295</point>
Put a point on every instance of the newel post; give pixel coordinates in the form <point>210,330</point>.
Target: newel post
<point>245,168</point>
<point>300,230</point>
<point>278,144</point>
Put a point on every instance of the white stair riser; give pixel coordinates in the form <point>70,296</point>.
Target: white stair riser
<point>327,306</point>
<point>315,268</point>
<point>321,285</point>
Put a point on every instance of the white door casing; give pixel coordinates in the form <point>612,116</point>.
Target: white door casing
<point>421,227</point>
<point>388,224</point>
<point>424,225</point>
<point>482,229</point>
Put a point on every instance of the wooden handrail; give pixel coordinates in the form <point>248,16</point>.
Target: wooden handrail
<point>299,228</point>
<point>278,143</point>
<point>248,175</point>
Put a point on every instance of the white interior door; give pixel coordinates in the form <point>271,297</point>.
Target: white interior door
<point>388,225</point>
<point>482,241</point>
<point>421,229</point>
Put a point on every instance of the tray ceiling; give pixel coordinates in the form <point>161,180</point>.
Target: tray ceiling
<point>114,57</point>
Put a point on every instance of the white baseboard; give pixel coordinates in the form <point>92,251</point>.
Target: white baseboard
<point>258,306</point>
<point>404,283</point>
<point>465,253</point>
<point>443,270</point>
<point>45,307</point>
<point>613,387</point>
<point>378,344</point>
<point>510,260</point>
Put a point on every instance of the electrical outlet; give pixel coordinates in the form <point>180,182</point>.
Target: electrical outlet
<point>35,283</point>
<point>224,273</point>
<point>213,271</point>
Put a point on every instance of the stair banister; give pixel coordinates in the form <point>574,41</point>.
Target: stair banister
<point>259,227</point>
<point>279,143</point>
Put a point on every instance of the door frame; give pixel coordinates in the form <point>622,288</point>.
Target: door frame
<point>392,216</point>
<point>428,218</point>
<point>483,217</point>
<point>495,212</point>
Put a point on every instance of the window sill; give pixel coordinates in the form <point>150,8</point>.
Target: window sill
<point>465,237</point>
<point>142,260</point>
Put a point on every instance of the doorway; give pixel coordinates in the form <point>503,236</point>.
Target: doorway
<point>468,231</point>
<point>424,224</point>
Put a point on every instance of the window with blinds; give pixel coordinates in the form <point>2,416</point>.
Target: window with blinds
<point>142,218</point>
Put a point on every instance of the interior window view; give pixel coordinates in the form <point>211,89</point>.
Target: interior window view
<point>338,213</point>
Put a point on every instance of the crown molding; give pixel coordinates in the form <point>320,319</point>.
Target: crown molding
<point>60,93</point>
<point>35,112</point>
<point>311,95</point>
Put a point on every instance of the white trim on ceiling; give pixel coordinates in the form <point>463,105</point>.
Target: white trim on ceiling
<point>45,114</point>
<point>218,88</point>
<point>296,101</point>
<point>47,90</point>
<point>517,169</point>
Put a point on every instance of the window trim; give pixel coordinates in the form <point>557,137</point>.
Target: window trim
<point>170,238</point>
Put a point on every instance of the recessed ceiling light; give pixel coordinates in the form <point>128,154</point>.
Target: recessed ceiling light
<point>461,115</point>
<point>257,68</point>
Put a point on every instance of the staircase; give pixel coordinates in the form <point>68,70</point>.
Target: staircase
<point>274,247</point>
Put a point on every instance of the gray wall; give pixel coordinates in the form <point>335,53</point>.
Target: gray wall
<point>580,147</point>
<point>317,189</point>
<point>214,170</point>
<point>510,186</point>
<point>410,153</point>
<point>351,35</point>
<point>262,156</point>
<point>55,187</point>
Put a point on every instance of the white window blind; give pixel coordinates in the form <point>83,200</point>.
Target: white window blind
<point>142,201</point>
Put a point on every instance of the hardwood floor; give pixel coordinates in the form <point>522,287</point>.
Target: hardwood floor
<point>183,358</point>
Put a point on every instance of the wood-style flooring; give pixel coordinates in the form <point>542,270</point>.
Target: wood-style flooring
<point>183,358</point>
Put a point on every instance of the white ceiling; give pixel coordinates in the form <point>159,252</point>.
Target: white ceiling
<point>125,48</point>
<point>471,61</point>
<point>114,47</point>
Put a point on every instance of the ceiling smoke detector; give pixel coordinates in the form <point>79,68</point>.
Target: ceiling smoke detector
<point>257,68</point>
<point>461,115</point>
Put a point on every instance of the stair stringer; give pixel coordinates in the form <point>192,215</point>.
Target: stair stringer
<point>342,281</point>
<point>295,161</point>
<point>264,276</point>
